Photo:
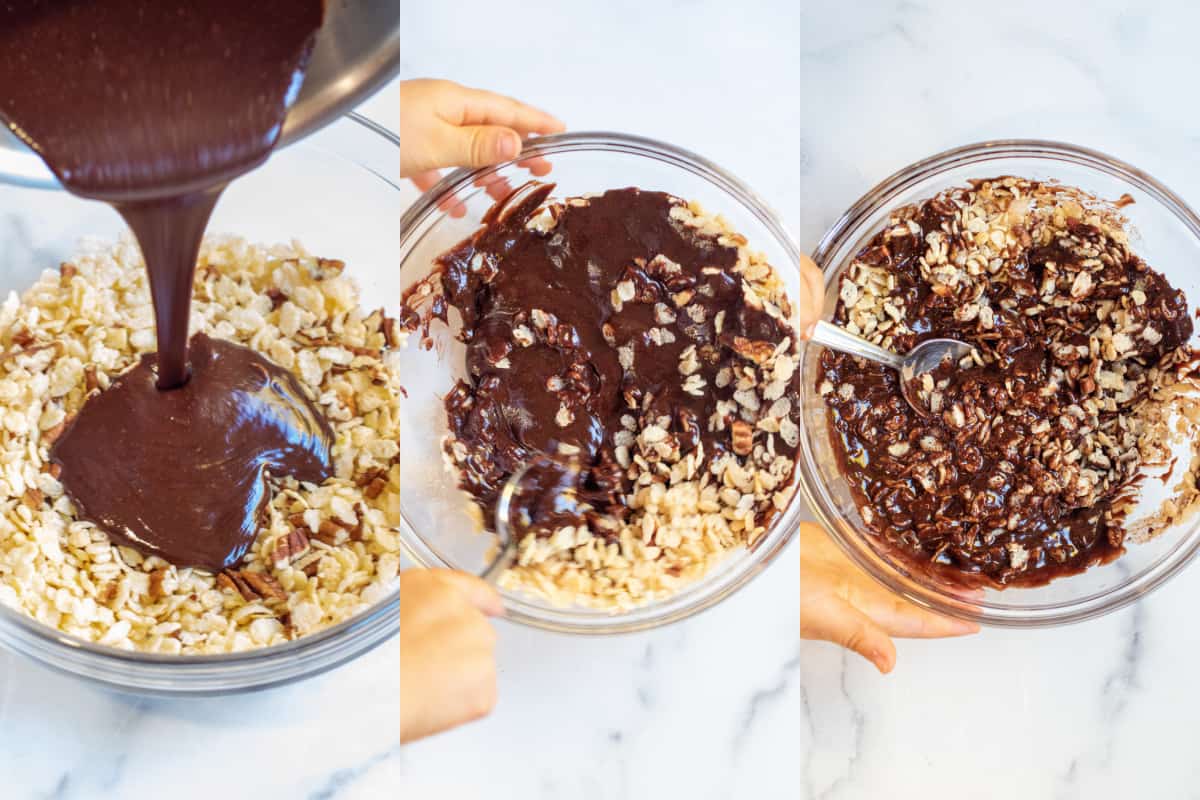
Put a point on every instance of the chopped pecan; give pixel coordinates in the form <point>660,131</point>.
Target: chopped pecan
<point>375,488</point>
<point>251,585</point>
<point>51,436</point>
<point>33,498</point>
<point>367,477</point>
<point>742,436</point>
<point>68,271</point>
<point>156,583</point>
<point>239,584</point>
<point>109,592</point>
<point>328,268</point>
<point>264,585</point>
<point>390,328</point>
<point>753,349</point>
<point>328,532</point>
<point>290,546</point>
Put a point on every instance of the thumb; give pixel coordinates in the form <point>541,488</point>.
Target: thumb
<point>845,625</point>
<point>478,592</point>
<point>481,145</point>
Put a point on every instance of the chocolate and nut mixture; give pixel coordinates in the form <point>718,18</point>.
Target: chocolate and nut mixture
<point>1022,468</point>
<point>323,553</point>
<point>639,338</point>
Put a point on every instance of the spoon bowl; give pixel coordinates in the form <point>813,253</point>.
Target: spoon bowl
<point>924,358</point>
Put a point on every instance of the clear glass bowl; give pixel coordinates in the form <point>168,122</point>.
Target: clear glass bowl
<point>1165,232</point>
<point>337,192</point>
<point>436,527</point>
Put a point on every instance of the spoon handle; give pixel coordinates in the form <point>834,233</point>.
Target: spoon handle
<point>835,338</point>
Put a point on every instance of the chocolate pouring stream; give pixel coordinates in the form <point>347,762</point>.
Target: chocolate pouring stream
<point>153,107</point>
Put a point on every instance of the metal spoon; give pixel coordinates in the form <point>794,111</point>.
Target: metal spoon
<point>510,532</point>
<point>506,540</point>
<point>925,357</point>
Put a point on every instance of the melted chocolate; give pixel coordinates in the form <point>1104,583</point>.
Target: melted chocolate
<point>210,446</point>
<point>154,107</point>
<point>558,286</point>
<point>547,498</point>
<point>962,528</point>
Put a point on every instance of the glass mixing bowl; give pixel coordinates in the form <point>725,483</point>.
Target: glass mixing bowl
<point>1165,233</point>
<point>337,192</point>
<point>436,527</point>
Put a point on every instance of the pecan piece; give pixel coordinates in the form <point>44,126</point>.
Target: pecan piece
<point>225,583</point>
<point>368,477</point>
<point>264,585</point>
<point>375,488</point>
<point>156,583</point>
<point>328,532</point>
<point>51,436</point>
<point>33,498</point>
<point>742,436</point>
<point>235,581</point>
<point>390,327</point>
<point>109,592</point>
<point>290,546</point>
<point>753,349</point>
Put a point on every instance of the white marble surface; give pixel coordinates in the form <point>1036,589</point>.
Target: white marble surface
<point>1098,710</point>
<point>335,737</point>
<point>707,708</point>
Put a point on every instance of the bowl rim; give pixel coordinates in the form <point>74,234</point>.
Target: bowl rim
<point>777,537</point>
<point>108,662</point>
<point>852,543</point>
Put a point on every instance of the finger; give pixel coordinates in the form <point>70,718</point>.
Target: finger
<point>537,166</point>
<point>424,181</point>
<point>481,145</point>
<point>478,592</point>
<point>488,108</point>
<point>902,618</point>
<point>843,624</point>
<point>498,190</point>
<point>814,283</point>
<point>496,186</point>
<point>427,180</point>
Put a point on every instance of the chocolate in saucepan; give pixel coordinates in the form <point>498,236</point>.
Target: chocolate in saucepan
<point>153,107</point>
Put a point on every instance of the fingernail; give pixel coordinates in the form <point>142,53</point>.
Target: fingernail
<point>508,146</point>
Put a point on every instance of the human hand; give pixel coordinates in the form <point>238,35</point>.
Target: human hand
<point>811,297</point>
<point>447,660</point>
<point>840,603</point>
<point>443,124</point>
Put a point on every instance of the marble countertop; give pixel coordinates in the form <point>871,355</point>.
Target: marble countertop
<point>1096,710</point>
<point>333,737</point>
<point>706,708</point>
